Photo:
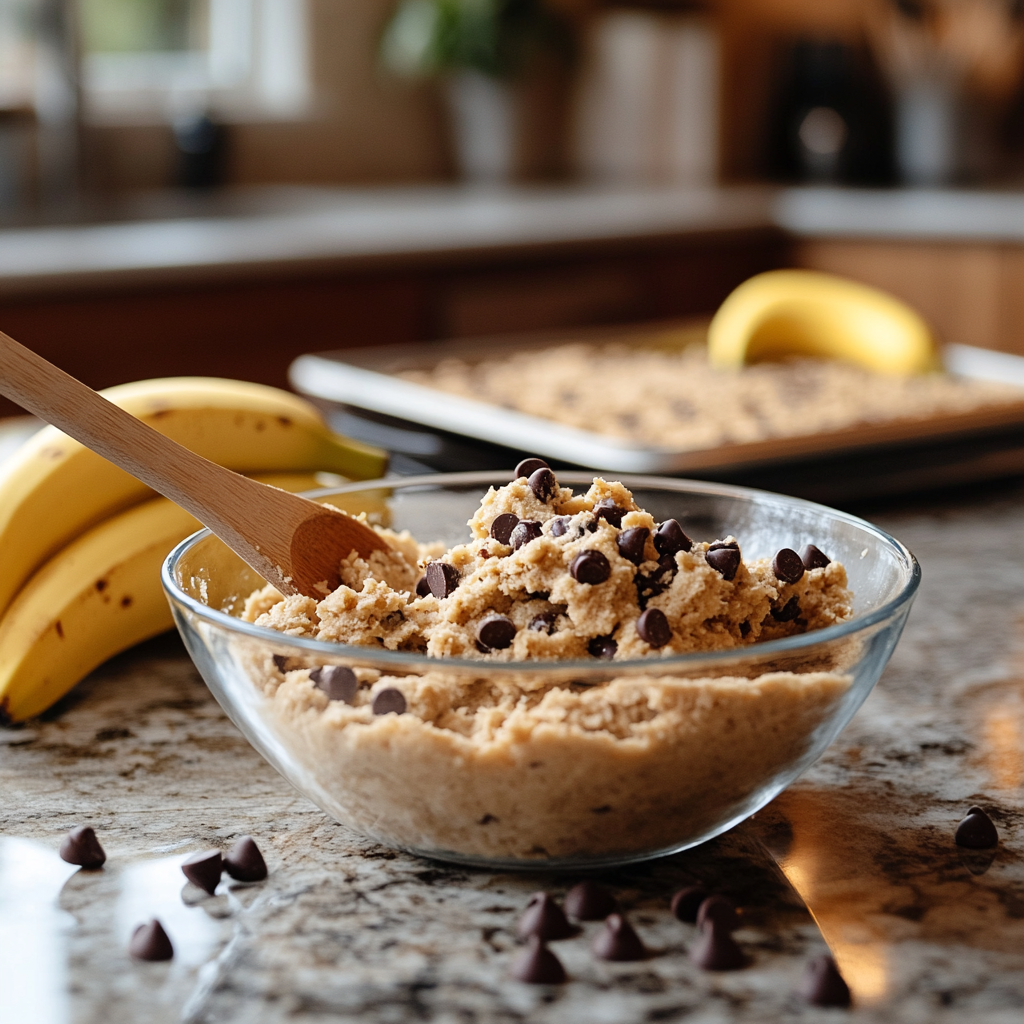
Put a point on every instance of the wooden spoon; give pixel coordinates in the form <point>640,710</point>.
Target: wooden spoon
<point>291,542</point>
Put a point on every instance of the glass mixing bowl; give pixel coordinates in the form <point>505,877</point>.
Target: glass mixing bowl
<point>634,759</point>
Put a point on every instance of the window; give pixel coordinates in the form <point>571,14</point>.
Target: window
<point>153,59</point>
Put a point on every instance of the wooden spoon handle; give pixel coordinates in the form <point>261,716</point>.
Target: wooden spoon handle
<point>108,430</point>
<point>260,523</point>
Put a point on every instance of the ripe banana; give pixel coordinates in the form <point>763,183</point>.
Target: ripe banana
<point>805,313</point>
<point>53,488</point>
<point>96,598</point>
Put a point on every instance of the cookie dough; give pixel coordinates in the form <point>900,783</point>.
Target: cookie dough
<point>677,400</point>
<point>501,755</point>
<point>550,575</point>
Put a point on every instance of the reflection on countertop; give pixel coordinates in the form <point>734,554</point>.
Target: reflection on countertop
<point>345,928</point>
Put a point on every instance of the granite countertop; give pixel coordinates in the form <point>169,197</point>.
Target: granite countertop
<point>345,929</point>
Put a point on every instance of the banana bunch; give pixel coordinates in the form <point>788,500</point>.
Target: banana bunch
<point>806,313</point>
<point>81,541</point>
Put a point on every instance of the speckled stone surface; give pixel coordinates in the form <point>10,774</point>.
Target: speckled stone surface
<point>344,929</point>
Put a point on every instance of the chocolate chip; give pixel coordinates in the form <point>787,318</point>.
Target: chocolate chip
<point>527,530</point>
<point>281,661</point>
<point>718,545</point>
<point>608,510</point>
<point>442,579</point>
<point>814,558</point>
<point>80,846</point>
<point>686,902</point>
<point>559,526</point>
<point>528,467</point>
<point>632,543</point>
<point>618,941</point>
<point>422,587</point>
<point>496,632</point>
<point>537,965</point>
<point>652,627</point>
<point>724,560</point>
<point>658,582</point>
<point>670,538</point>
<point>744,629</point>
<point>787,566</point>
<point>590,567</point>
<point>388,701</point>
<point>976,831</point>
<point>543,623</point>
<point>544,918</point>
<point>502,527</point>
<point>337,681</point>
<point>204,869</point>
<point>150,942</point>
<point>602,647</point>
<point>788,612</point>
<point>721,911</point>
<point>544,484</point>
<point>589,901</point>
<point>244,862</point>
<point>823,985</point>
<point>716,950</point>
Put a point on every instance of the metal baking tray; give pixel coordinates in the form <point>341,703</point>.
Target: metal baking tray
<point>447,431</point>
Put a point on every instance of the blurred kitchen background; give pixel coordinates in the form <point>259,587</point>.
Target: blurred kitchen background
<point>217,186</point>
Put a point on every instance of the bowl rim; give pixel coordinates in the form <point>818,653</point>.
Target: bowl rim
<point>412,660</point>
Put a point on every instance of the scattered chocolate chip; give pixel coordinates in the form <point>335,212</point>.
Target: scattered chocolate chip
<point>719,910</point>
<point>590,567</point>
<point>80,846</point>
<point>204,869</point>
<point>244,862</point>
<point>388,701</point>
<point>502,527</point>
<point>788,612</point>
<point>814,558</point>
<point>496,632</point>
<point>544,484</point>
<point>686,902</point>
<point>537,965</point>
<point>608,510</point>
<point>652,627</point>
<point>744,629</point>
<point>618,941</point>
<point>527,530</point>
<point>150,942</point>
<point>976,831</point>
<point>670,538</point>
<point>787,566</point>
<point>543,623</point>
<point>632,543</point>
<point>716,949</point>
<point>281,661</point>
<point>544,918</point>
<point>337,681</point>
<point>602,647</point>
<point>724,560</point>
<point>422,587</point>
<point>442,579</point>
<point>528,467</point>
<point>823,985</point>
<point>589,901</point>
<point>559,526</point>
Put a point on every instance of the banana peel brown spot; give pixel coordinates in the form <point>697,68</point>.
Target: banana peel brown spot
<point>126,601</point>
<point>60,628</point>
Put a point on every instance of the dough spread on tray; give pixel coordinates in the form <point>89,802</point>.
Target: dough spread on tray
<point>677,400</point>
<point>502,756</point>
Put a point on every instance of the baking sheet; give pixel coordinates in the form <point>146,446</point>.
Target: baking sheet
<point>365,380</point>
